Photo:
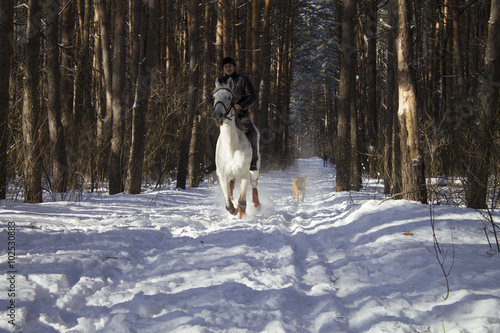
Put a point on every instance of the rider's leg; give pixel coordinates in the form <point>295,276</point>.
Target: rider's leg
<point>252,137</point>
<point>246,126</point>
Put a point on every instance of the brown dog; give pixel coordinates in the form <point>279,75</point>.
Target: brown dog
<point>299,188</point>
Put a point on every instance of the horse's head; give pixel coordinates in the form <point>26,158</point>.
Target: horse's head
<point>223,101</point>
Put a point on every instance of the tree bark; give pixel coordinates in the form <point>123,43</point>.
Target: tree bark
<point>255,50</point>
<point>219,41</point>
<point>67,63</point>
<point>355,176</point>
<point>413,185</point>
<point>265,83</point>
<point>136,16</point>
<point>371,110</point>
<point>193,90</point>
<point>6,51</point>
<point>187,130</point>
<point>488,116</point>
<point>169,40</point>
<point>31,107</point>
<point>56,131</point>
<point>118,102</point>
<point>227,42</point>
<point>194,154</point>
<point>255,116</point>
<point>347,85</point>
<point>287,76</point>
<point>104,114</point>
<point>149,13</point>
<point>83,80</point>
<point>390,110</point>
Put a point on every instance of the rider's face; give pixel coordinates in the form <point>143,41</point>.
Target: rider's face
<point>228,69</point>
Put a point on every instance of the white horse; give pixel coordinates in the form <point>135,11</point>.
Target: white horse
<point>233,153</point>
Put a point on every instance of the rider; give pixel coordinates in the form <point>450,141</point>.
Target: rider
<point>244,96</point>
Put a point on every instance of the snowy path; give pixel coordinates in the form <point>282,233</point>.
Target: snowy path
<point>174,261</point>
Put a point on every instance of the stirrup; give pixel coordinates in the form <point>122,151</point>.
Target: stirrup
<point>253,167</point>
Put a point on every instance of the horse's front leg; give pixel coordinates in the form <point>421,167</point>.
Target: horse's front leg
<point>242,201</point>
<point>255,197</point>
<point>254,176</point>
<point>227,191</point>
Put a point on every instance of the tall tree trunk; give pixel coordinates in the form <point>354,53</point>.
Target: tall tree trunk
<point>56,131</point>
<point>68,54</point>
<point>255,116</point>
<point>135,17</point>
<point>457,49</point>
<point>105,115</point>
<point>81,142</point>
<point>227,28</point>
<point>186,135</point>
<point>245,30</point>
<point>67,63</point>
<point>265,83</point>
<point>118,103</point>
<point>397,179</point>
<point>488,116</point>
<point>7,42</point>
<point>433,50</point>
<point>360,97</point>
<point>83,80</point>
<point>99,100</point>
<point>454,87</point>
<point>355,176</point>
<point>208,49</point>
<point>219,41</point>
<point>238,32</point>
<point>287,77</point>
<point>149,12</point>
<point>358,109</point>
<point>193,90</point>
<point>279,117</point>
<point>413,185</point>
<point>347,85</point>
<point>459,99</point>
<point>371,110</point>
<point>137,39</point>
<point>194,154</point>
<point>31,108</point>
<point>209,58</point>
<point>390,102</point>
<point>170,44</point>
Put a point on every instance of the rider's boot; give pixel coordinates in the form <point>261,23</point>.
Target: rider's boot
<point>252,137</point>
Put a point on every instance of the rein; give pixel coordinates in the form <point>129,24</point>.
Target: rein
<point>228,110</point>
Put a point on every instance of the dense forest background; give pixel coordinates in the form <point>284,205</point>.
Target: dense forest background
<point>96,92</point>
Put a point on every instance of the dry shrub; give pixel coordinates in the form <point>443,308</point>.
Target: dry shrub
<point>164,121</point>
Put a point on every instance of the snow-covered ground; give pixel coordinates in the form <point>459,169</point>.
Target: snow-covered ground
<point>175,261</point>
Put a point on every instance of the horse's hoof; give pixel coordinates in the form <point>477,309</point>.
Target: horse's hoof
<point>242,212</point>
<point>233,211</point>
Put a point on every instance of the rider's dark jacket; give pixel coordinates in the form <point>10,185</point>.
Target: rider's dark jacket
<point>244,92</point>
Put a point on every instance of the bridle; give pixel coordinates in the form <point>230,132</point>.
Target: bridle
<point>227,109</point>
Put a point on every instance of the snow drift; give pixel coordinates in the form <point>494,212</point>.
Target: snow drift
<point>175,261</point>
